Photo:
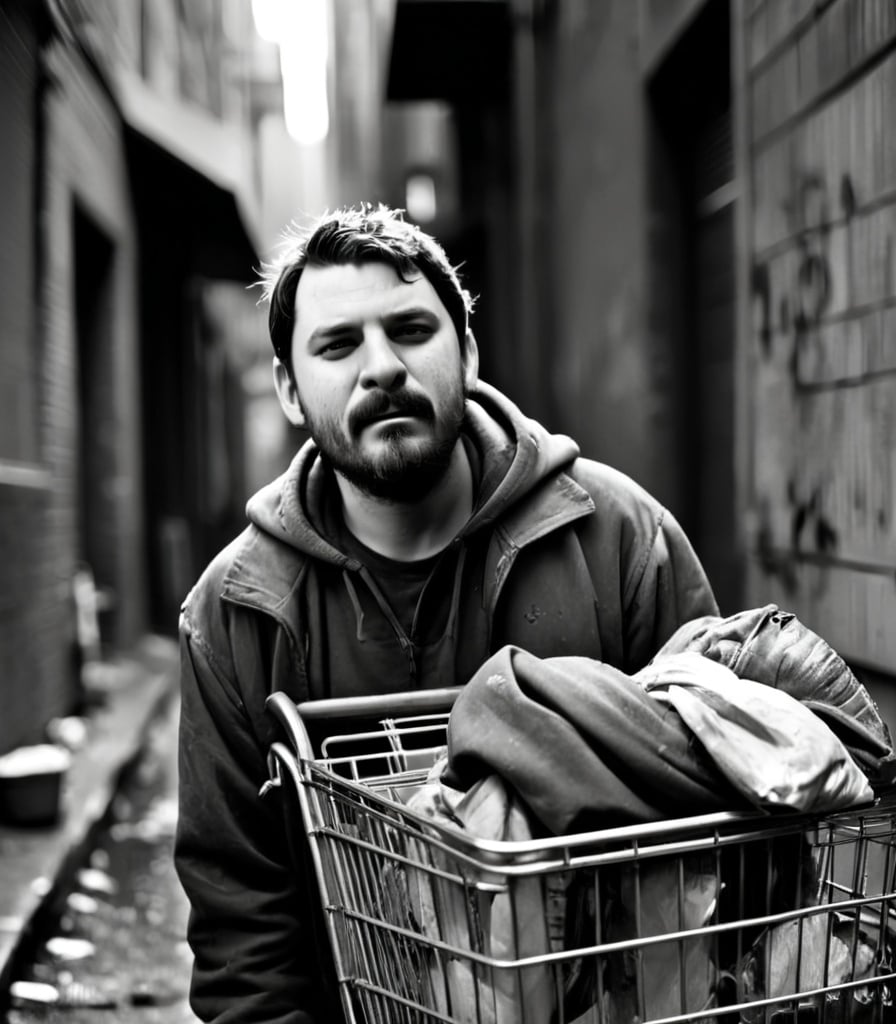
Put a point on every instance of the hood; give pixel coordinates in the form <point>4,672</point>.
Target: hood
<point>515,455</point>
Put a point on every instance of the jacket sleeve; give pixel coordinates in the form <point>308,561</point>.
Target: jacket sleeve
<point>648,580</point>
<point>252,922</point>
<point>665,586</point>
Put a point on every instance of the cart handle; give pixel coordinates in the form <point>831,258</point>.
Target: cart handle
<point>293,716</point>
<point>386,705</point>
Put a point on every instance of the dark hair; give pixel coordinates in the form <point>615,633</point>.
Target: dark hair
<point>361,234</point>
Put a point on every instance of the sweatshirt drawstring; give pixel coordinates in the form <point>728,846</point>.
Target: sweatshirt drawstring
<point>356,604</point>
<point>455,595</point>
<point>405,642</point>
<point>403,639</point>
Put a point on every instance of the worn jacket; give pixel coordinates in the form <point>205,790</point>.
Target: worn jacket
<point>561,555</point>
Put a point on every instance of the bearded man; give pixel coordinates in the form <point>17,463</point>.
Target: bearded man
<point>425,524</point>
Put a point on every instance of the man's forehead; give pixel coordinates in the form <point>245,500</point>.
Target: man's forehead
<point>355,290</point>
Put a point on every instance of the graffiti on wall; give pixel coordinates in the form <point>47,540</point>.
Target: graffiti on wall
<point>792,307</point>
<point>817,494</point>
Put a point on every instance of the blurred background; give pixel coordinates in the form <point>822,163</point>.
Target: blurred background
<point>679,217</point>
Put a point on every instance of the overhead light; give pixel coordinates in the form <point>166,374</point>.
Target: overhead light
<point>301,30</point>
<point>420,197</point>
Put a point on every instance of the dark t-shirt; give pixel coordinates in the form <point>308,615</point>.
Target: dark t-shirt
<point>401,582</point>
<point>395,625</point>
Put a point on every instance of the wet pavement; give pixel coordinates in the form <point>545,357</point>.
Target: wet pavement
<point>116,951</point>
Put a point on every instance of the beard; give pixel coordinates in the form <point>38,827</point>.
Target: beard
<point>404,468</point>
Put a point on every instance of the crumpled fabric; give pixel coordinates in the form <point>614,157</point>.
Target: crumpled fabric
<point>773,647</point>
<point>587,746</point>
<point>811,953</point>
<point>774,750</point>
<point>583,744</point>
<point>750,710</point>
<point>509,924</point>
<point>661,896</point>
<point>530,915</point>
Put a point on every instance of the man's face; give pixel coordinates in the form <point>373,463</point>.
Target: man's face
<point>380,376</point>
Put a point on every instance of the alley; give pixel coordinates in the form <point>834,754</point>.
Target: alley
<point>118,950</point>
<point>669,241</point>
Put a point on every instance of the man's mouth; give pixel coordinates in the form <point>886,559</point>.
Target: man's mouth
<point>392,414</point>
<point>376,413</point>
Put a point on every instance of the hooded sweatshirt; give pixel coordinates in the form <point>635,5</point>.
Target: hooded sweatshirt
<point>560,556</point>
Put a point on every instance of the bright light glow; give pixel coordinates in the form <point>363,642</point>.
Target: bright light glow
<point>301,30</point>
<point>266,14</point>
<point>420,197</point>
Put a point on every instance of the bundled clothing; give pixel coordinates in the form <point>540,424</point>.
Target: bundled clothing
<point>571,745</point>
<point>561,556</point>
<point>588,747</point>
<point>772,647</point>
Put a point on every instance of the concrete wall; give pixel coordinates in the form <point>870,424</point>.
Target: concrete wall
<point>608,369</point>
<point>819,82</point>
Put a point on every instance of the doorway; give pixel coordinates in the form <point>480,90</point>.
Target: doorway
<point>695,188</point>
<point>96,429</point>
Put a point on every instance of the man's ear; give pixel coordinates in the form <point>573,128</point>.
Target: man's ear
<point>288,394</point>
<point>470,361</point>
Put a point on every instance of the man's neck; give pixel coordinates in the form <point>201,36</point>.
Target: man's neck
<point>410,531</point>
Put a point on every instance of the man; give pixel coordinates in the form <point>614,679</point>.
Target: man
<point>425,524</point>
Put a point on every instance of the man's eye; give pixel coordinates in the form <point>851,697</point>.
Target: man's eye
<point>337,348</point>
<point>412,332</point>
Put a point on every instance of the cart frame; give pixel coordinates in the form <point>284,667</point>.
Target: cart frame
<point>381,864</point>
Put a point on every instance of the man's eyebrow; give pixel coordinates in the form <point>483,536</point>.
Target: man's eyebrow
<point>412,313</point>
<point>331,330</point>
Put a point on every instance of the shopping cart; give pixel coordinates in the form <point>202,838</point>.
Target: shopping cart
<point>729,916</point>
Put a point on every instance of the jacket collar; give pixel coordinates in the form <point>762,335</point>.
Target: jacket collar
<point>266,573</point>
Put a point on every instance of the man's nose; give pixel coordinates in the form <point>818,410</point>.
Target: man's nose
<point>382,368</point>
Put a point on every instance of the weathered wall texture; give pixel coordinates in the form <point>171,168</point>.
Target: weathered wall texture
<point>821,394</point>
<point>599,363</point>
<point>24,483</point>
<point>70,469</point>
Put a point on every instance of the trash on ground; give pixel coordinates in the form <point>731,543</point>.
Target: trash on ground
<point>31,782</point>
<point>36,760</point>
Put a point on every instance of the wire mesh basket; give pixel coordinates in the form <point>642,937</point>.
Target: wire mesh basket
<point>736,917</point>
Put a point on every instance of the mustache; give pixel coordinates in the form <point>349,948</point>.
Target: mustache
<point>401,403</point>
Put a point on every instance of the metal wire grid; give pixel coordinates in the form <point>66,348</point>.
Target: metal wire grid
<point>792,908</point>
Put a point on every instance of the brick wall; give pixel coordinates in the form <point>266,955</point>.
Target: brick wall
<point>36,641</point>
<point>90,369</point>
<point>33,683</point>
<point>820,81</point>
<point>70,409</point>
